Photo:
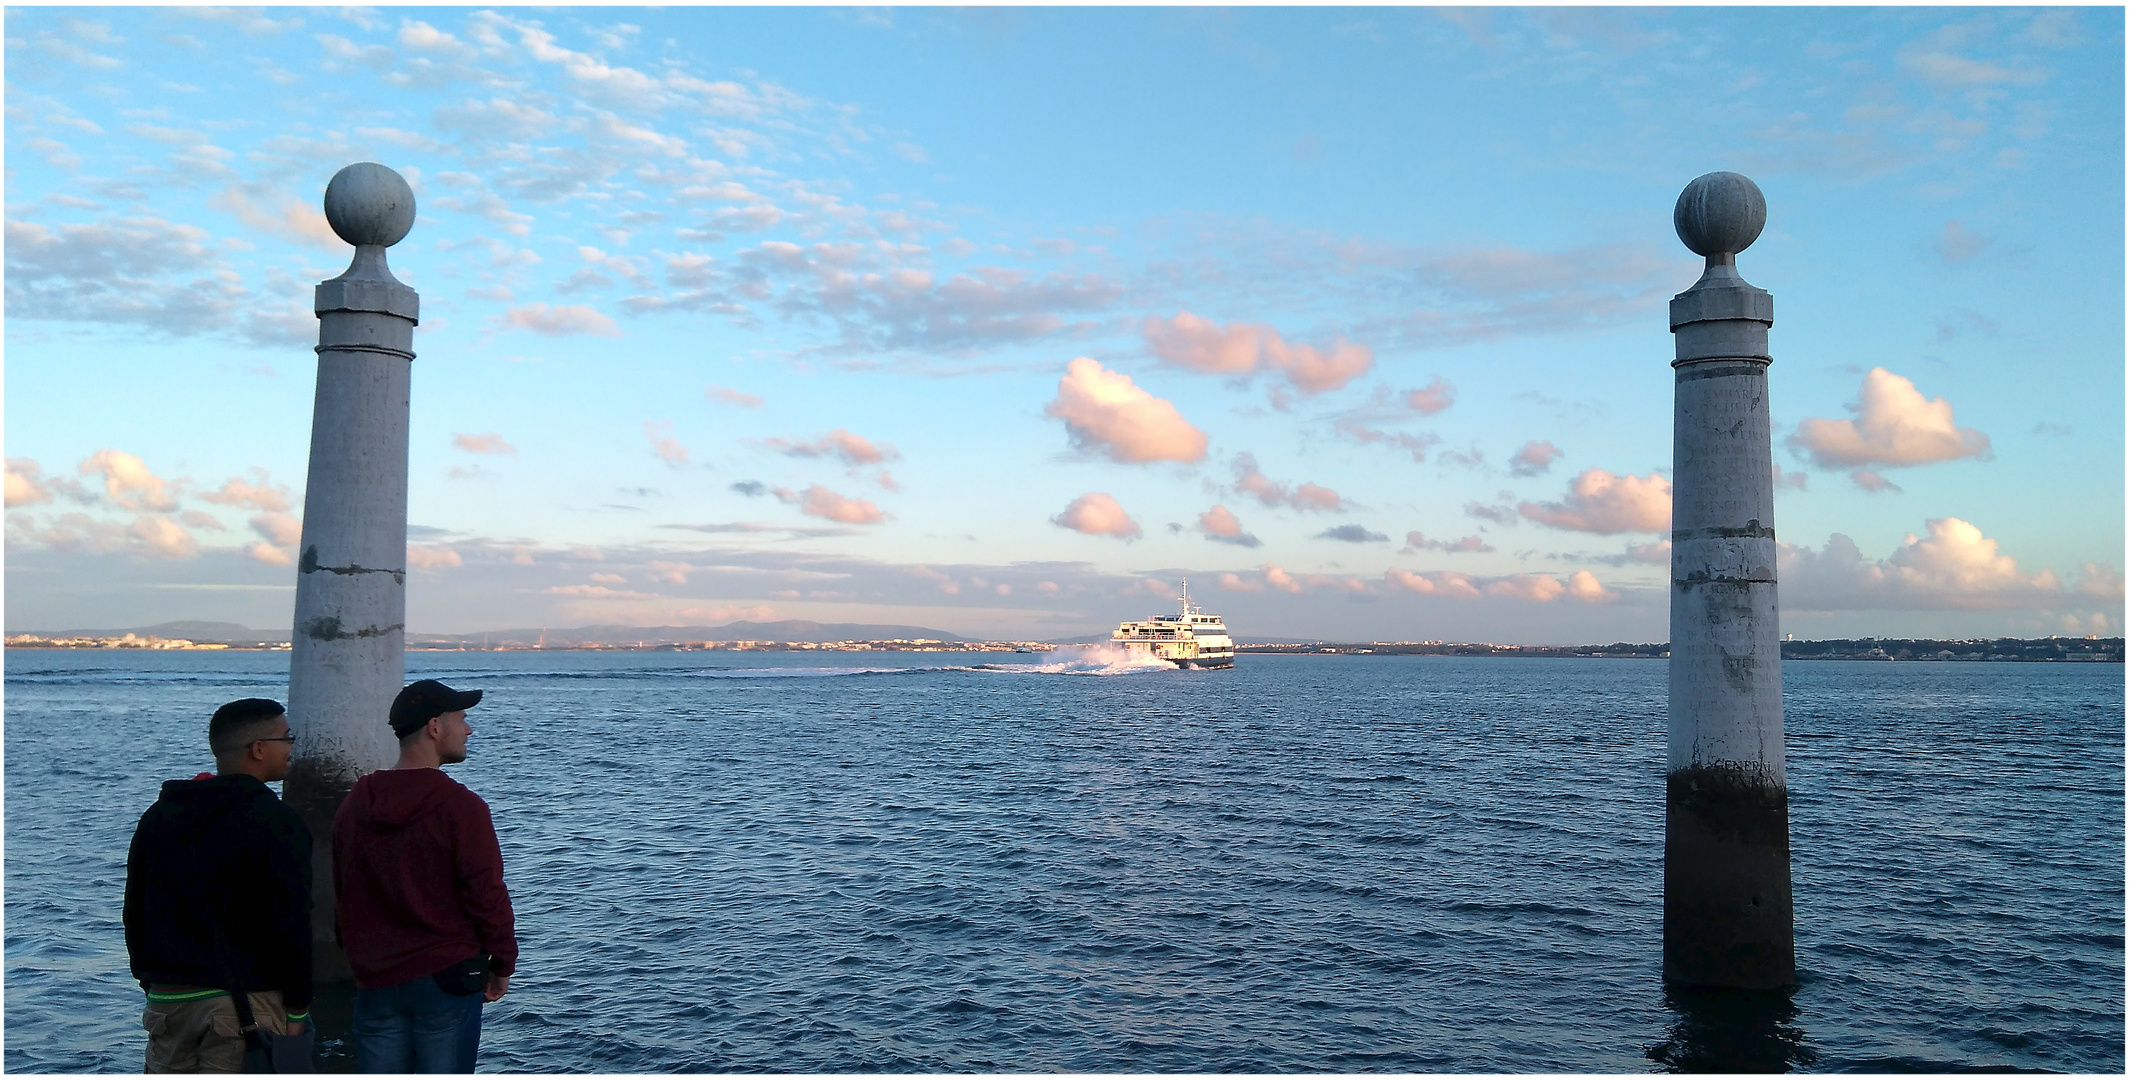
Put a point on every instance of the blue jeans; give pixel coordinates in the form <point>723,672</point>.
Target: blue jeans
<point>416,1028</point>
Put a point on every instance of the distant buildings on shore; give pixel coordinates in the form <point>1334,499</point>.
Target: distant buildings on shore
<point>2057,649</point>
<point>123,641</point>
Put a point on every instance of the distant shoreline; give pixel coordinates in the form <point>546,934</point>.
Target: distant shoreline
<point>1996,650</point>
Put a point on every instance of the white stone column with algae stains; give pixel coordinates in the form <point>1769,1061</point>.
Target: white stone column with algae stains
<point>349,644</point>
<point>1727,914</point>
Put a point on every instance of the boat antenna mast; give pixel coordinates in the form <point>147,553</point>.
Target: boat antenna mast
<point>1188,611</point>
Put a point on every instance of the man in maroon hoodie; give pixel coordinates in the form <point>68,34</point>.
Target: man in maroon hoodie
<point>422,910</point>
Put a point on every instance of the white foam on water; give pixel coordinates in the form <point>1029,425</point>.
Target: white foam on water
<point>1098,659</point>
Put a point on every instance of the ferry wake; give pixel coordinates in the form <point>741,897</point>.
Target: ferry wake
<point>1191,639</point>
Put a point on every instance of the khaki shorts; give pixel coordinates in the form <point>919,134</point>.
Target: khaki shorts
<point>203,1036</point>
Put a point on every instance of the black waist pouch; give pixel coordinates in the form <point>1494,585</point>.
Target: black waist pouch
<point>468,976</point>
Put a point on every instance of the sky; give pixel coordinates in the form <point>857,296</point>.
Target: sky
<point>1007,321</point>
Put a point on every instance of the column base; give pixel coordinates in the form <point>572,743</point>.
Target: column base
<point>1728,919</point>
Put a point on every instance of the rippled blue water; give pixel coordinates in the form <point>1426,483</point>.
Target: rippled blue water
<point>799,862</point>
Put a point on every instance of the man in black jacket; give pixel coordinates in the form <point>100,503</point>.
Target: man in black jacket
<point>218,900</point>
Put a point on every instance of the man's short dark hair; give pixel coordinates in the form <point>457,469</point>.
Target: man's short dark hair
<point>236,724</point>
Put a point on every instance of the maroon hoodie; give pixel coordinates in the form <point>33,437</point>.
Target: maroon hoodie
<point>419,879</point>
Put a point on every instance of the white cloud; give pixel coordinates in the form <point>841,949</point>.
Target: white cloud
<point>1240,349</point>
<point>1104,410</point>
<point>1894,425</point>
<point>1098,514</point>
<point>1955,567</point>
<point>139,271</point>
<point>1473,544</point>
<point>730,396</point>
<point>278,213</point>
<point>1600,502</point>
<point>561,320</point>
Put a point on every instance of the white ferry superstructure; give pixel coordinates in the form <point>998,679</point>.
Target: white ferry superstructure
<point>1190,639</point>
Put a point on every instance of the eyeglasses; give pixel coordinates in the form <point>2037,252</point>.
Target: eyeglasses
<point>278,738</point>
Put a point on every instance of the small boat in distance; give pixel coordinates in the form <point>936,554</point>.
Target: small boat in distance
<point>1191,639</point>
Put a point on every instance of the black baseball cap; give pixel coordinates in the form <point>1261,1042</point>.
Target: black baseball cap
<point>426,700</point>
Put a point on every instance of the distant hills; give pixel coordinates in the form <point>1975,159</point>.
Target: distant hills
<point>555,637</point>
<point>782,630</point>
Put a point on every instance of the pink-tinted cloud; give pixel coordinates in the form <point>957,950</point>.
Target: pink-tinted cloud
<point>1105,411</point>
<point>1872,481</point>
<point>1098,514</point>
<point>1234,583</point>
<point>1279,579</point>
<point>278,528</point>
<point>1600,502</point>
<point>1584,586</point>
<point>433,556</point>
<point>668,448</point>
<point>1439,583</point>
<point>850,448</point>
<point>1220,524</point>
<point>1431,398</point>
<point>25,486</point>
<point>1241,349</point>
<point>820,502</point>
<point>561,320</point>
<point>264,552</point>
<point>1581,586</point>
<point>128,482</point>
<point>1416,445</point>
<point>256,494</point>
<point>729,396</point>
<point>1309,496</point>
<point>490,443</point>
<point>1955,567</point>
<point>1533,458</point>
<point>1894,425</point>
<point>162,538</point>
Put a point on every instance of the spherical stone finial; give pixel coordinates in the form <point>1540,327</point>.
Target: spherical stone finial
<point>1720,213</point>
<point>367,203</point>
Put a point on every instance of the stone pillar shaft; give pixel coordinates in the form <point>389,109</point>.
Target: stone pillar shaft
<point>348,651</point>
<point>1727,912</point>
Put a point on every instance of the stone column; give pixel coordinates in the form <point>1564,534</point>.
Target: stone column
<point>1727,917</point>
<point>349,642</point>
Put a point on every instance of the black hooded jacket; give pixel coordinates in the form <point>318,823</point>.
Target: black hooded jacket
<point>218,890</point>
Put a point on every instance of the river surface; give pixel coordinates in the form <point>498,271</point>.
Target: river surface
<point>813,862</point>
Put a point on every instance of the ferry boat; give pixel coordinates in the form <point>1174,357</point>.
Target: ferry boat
<point>1190,639</point>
